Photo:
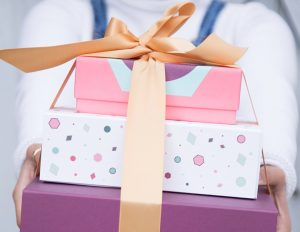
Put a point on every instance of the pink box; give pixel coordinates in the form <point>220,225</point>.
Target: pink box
<point>196,93</point>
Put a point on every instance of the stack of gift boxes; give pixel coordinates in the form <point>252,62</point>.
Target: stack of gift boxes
<point>207,152</point>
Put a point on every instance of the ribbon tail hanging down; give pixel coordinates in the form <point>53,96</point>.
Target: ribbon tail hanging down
<point>141,193</point>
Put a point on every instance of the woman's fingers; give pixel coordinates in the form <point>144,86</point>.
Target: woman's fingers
<point>275,176</point>
<point>276,180</point>
<point>26,176</point>
<point>17,198</point>
<point>283,219</point>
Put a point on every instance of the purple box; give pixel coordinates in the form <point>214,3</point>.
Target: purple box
<point>69,208</point>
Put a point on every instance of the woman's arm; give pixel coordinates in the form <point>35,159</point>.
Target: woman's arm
<point>272,72</point>
<point>270,66</point>
<point>50,22</point>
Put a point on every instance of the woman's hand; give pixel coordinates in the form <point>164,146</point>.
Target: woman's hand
<point>27,175</point>
<point>277,182</point>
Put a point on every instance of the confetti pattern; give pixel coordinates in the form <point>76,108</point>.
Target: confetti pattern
<point>213,160</point>
<point>191,138</point>
<point>93,176</point>
<point>241,159</point>
<point>177,159</point>
<point>54,169</point>
<point>241,139</point>
<point>54,123</point>
<point>241,181</point>
<point>107,129</point>
<point>167,175</point>
<point>86,127</point>
<point>112,170</point>
<point>198,160</point>
<point>97,157</point>
<point>55,150</point>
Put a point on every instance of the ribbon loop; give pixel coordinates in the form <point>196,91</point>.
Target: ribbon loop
<point>184,8</point>
<point>119,42</point>
<point>173,19</point>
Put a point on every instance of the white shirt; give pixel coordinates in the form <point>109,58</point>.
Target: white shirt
<point>269,65</point>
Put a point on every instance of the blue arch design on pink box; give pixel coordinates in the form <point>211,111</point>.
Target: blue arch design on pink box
<point>183,86</point>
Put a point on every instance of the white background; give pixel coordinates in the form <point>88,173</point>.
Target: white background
<point>12,13</point>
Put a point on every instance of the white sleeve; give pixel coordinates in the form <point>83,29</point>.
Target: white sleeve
<point>270,66</point>
<point>50,22</point>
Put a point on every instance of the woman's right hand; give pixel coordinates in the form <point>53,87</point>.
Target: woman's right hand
<point>27,175</point>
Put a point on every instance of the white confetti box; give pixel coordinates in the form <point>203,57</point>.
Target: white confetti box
<point>210,159</point>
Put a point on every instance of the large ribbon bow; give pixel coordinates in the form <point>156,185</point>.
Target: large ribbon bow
<point>141,193</point>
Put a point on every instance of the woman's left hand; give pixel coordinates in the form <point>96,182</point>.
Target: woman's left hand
<point>278,186</point>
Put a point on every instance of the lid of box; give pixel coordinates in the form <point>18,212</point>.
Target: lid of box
<point>187,85</point>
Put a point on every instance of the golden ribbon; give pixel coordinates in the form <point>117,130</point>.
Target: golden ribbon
<point>141,193</point>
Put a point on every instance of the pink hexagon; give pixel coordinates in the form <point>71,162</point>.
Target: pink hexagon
<point>54,123</point>
<point>198,160</point>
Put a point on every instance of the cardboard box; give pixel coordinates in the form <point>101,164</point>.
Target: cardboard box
<point>210,159</point>
<point>194,93</point>
<point>63,208</point>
